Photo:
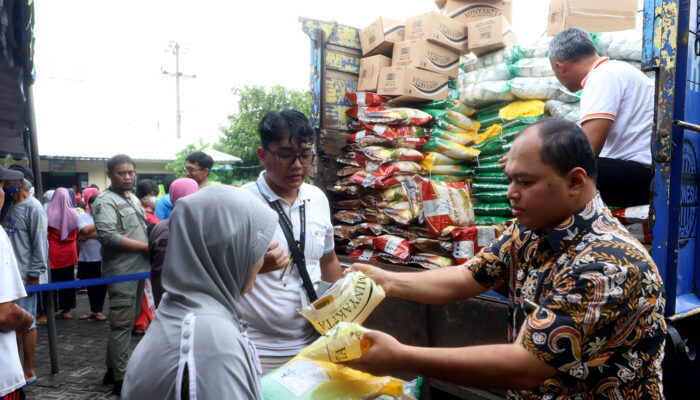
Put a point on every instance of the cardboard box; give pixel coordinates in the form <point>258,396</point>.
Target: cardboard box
<point>412,84</point>
<point>592,15</point>
<point>426,55</point>
<point>467,11</point>
<point>379,37</point>
<point>490,34</point>
<point>369,72</point>
<point>438,28</point>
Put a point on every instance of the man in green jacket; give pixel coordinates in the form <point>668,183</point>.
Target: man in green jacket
<point>121,228</point>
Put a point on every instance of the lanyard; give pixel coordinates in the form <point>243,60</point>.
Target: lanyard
<point>284,218</point>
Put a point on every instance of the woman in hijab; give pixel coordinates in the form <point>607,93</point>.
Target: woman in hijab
<point>63,252</point>
<point>196,347</point>
<point>158,239</point>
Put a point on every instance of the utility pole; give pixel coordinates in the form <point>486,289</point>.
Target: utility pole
<point>175,47</point>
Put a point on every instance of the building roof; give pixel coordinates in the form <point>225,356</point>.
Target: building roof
<point>143,149</point>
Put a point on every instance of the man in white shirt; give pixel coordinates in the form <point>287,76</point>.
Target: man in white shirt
<point>270,310</point>
<point>14,320</point>
<point>617,113</point>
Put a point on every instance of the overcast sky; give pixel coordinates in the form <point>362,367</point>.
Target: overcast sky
<point>99,62</point>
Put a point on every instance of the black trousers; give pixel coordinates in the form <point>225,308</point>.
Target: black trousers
<point>66,297</point>
<point>96,293</point>
<point>623,183</point>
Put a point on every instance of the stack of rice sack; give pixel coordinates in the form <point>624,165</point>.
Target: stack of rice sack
<point>393,211</point>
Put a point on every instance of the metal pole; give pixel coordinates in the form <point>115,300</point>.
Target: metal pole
<point>39,192</point>
<point>178,116</point>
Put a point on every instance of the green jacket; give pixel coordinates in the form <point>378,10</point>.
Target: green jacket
<point>115,219</point>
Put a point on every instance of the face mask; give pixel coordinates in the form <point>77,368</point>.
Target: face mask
<point>151,200</point>
<point>11,190</point>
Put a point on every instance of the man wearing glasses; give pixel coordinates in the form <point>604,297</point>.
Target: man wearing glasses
<point>197,167</point>
<point>274,325</point>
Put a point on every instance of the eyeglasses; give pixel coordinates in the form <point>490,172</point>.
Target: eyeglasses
<point>190,170</point>
<point>288,159</point>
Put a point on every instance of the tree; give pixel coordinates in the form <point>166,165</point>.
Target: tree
<point>241,136</point>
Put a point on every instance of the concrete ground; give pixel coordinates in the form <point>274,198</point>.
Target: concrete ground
<point>81,353</point>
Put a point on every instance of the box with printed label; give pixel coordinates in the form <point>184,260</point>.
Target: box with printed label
<point>592,15</point>
<point>438,28</point>
<point>466,11</point>
<point>379,37</point>
<point>412,84</point>
<point>369,72</point>
<point>490,34</point>
<point>426,55</point>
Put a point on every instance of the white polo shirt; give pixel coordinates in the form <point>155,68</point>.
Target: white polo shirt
<point>11,288</point>
<point>617,91</point>
<point>270,310</point>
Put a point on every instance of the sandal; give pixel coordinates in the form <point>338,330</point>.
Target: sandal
<point>63,315</point>
<point>89,315</point>
<point>42,320</point>
<point>100,317</point>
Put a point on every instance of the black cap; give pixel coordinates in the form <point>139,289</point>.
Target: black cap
<point>9,174</point>
<point>28,173</point>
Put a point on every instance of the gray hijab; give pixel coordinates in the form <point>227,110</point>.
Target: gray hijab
<point>216,237</point>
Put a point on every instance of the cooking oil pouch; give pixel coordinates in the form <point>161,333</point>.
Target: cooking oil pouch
<point>491,158</point>
<point>447,178</point>
<point>431,261</point>
<point>455,170</point>
<point>494,209</point>
<point>350,299</point>
<point>451,104</point>
<point>490,146</point>
<point>496,177</point>
<point>464,139</point>
<point>487,168</point>
<point>304,379</point>
<point>478,187</point>
<point>432,158</point>
<point>341,343</point>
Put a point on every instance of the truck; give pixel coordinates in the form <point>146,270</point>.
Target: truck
<point>671,50</point>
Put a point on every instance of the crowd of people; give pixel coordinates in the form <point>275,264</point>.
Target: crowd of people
<point>585,298</point>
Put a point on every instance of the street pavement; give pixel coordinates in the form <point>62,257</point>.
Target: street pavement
<point>81,354</point>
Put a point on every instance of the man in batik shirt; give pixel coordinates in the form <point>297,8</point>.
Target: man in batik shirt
<point>586,300</point>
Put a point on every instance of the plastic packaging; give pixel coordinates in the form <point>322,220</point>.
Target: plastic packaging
<point>537,48</point>
<point>472,63</point>
<point>451,104</point>
<point>482,93</point>
<point>341,343</point>
<point>497,177</point>
<point>450,149</point>
<point>522,108</point>
<point>445,205</point>
<point>547,88</point>
<point>391,116</point>
<point>432,245</point>
<point>531,67</point>
<point>431,261</point>
<point>455,170</point>
<point>622,45</point>
<point>491,197</point>
<point>394,245</point>
<point>498,72</point>
<point>381,155</point>
<point>490,220</point>
<point>350,299</point>
<point>366,99</point>
<point>468,241</point>
<point>632,215</point>
<point>561,109</point>
<point>494,209</point>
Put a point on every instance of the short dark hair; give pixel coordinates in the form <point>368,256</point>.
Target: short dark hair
<point>203,159</point>
<point>28,173</point>
<point>565,146</point>
<point>571,45</point>
<point>94,185</point>
<point>167,181</point>
<point>144,187</point>
<point>275,123</point>
<point>117,160</point>
<point>91,200</point>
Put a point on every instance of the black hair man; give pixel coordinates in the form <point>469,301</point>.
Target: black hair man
<point>197,166</point>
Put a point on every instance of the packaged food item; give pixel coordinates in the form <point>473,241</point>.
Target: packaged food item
<point>468,241</point>
<point>364,254</point>
<point>391,259</point>
<point>347,171</point>
<point>491,197</point>
<point>393,193</point>
<point>391,131</point>
<point>349,204</point>
<point>341,343</point>
<point>391,116</point>
<point>304,379</point>
<point>368,228</point>
<point>348,216</point>
<point>546,88</point>
<point>399,167</point>
<point>413,196</point>
<point>451,104</point>
<point>522,108</point>
<point>343,232</point>
<point>530,67</point>
<point>362,241</point>
<point>432,158</point>
<point>537,48</point>
<point>486,92</point>
<point>448,178</point>
<point>350,190</point>
<point>632,215</point>
<point>487,168</point>
<point>491,158</point>
<point>432,245</point>
<point>621,45</point>
<point>640,231</point>
<point>366,99</point>
<point>495,209</point>
<point>401,216</point>
<point>490,220</point>
<point>400,231</point>
<point>450,149</point>
<point>348,159</point>
<point>498,72</point>
<point>350,299</point>
<point>490,146</point>
<point>394,245</point>
<point>375,216</point>
<point>561,109</point>
<point>382,155</point>
<point>365,140</point>
<point>431,261</point>
<point>496,177</point>
<point>443,124</point>
<point>472,63</point>
<point>445,205</point>
<point>478,187</point>
<point>454,170</point>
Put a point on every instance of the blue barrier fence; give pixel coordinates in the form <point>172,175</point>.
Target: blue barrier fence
<point>86,282</point>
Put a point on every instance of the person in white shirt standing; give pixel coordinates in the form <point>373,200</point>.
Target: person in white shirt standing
<point>14,320</point>
<point>270,310</point>
<point>617,113</point>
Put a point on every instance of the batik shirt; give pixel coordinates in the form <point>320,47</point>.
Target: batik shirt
<point>599,301</point>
